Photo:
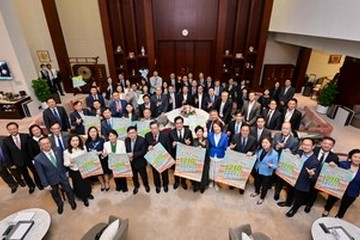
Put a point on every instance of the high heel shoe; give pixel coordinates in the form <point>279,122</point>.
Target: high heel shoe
<point>102,189</point>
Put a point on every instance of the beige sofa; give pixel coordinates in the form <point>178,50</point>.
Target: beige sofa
<point>235,233</point>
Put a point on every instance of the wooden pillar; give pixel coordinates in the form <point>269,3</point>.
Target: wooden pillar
<point>149,31</point>
<point>57,38</point>
<point>301,67</point>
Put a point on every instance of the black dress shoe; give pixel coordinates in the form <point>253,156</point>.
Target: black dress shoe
<point>283,204</point>
<point>40,187</point>
<point>31,190</point>
<point>184,186</point>
<point>107,189</point>
<point>14,189</point>
<point>103,189</point>
<point>60,209</point>
<point>147,189</point>
<point>291,212</point>
<point>307,209</point>
<point>176,185</point>
<point>73,205</point>
<point>91,197</point>
<point>125,190</point>
<point>135,191</point>
<point>241,191</point>
<point>195,189</point>
<point>22,184</point>
<point>86,203</point>
<point>276,196</point>
<point>157,190</point>
<point>166,188</point>
<point>202,190</point>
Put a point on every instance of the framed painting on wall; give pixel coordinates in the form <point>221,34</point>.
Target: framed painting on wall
<point>334,59</point>
<point>43,56</point>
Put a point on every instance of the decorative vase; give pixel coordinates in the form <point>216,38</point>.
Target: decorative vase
<point>142,51</point>
<point>321,109</point>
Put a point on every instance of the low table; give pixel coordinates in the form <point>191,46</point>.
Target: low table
<point>41,218</point>
<point>318,233</point>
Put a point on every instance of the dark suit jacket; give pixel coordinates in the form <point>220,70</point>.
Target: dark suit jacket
<point>275,122</point>
<point>108,93</point>
<point>274,94</point>
<point>226,111</point>
<point>255,111</point>
<point>114,112</point>
<point>140,149</point>
<point>220,90</point>
<point>265,133</point>
<point>49,118</point>
<point>305,181</point>
<point>142,107</point>
<point>191,91</point>
<point>90,99</point>
<point>65,136</point>
<point>206,87</point>
<point>177,102</point>
<point>208,101</point>
<point>292,143</point>
<point>163,106</point>
<point>79,127</point>
<point>195,101</point>
<point>331,157</point>
<point>249,147</point>
<point>295,119</point>
<point>105,127</point>
<point>163,139</point>
<point>176,85</point>
<point>48,173</point>
<point>182,101</point>
<point>134,116</point>
<point>286,97</point>
<point>173,137</point>
<point>15,156</point>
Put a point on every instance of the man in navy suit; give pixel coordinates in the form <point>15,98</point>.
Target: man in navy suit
<point>184,96</point>
<point>94,95</point>
<point>223,106</point>
<point>77,118</point>
<point>272,116</point>
<point>208,84</point>
<point>136,148</point>
<point>155,136</point>
<point>173,99</point>
<point>198,99</point>
<point>118,106</point>
<point>323,155</point>
<point>17,153</point>
<point>307,177</point>
<point>106,123</point>
<point>49,164</point>
<point>234,126</point>
<point>147,104</point>
<point>160,101</point>
<point>210,99</point>
<point>55,113</point>
<point>292,115</point>
<point>286,93</point>
<point>218,88</point>
<point>59,138</point>
<point>259,132</point>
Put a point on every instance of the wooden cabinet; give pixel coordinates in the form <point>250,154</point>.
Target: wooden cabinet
<point>277,73</point>
<point>13,109</point>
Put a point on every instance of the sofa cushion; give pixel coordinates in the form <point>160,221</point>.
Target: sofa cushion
<point>110,231</point>
<point>244,236</point>
<point>235,233</point>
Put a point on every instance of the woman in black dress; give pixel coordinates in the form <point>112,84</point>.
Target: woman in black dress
<point>201,141</point>
<point>95,143</point>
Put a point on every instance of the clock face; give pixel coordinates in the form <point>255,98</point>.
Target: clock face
<point>185,32</point>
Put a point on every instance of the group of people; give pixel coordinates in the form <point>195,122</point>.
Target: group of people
<point>238,121</point>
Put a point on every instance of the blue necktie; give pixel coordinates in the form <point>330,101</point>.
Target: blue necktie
<point>61,145</point>
<point>56,114</point>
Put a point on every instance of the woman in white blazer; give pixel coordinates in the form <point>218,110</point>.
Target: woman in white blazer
<point>115,145</point>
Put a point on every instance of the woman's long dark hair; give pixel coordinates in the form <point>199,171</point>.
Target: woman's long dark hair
<point>81,144</point>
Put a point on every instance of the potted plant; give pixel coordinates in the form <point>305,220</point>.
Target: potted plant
<point>326,97</point>
<point>42,91</point>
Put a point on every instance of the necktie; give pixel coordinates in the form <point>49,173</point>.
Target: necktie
<point>56,114</point>
<point>244,142</point>
<point>61,145</point>
<point>269,117</point>
<point>132,145</point>
<point>322,155</point>
<point>237,128</point>
<point>180,136</point>
<point>109,122</point>
<point>283,139</point>
<point>17,142</point>
<point>95,97</point>
<point>155,139</point>
<point>52,159</point>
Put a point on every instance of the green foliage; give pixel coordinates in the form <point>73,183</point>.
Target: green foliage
<point>41,89</point>
<point>328,94</point>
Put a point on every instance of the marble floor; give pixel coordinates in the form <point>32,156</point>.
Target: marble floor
<point>180,214</point>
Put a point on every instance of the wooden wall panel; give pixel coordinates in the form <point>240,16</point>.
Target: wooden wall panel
<point>166,52</point>
<point>129,26</point>
<point>203,58</point>
<point>348,84</point>
<point>241,26</point>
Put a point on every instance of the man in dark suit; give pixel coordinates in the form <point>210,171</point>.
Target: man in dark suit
<point>155,136</point>
<point>184,96</point>
<point>281,141</point>
<point>272,116</point>
<point>251,109</point>
<point>6,175</point>
<point>49,164</point>
<point>232,89</point>
<point>18,154</point>
<point>193,88</point>
<point>292,115</point>
<point>182,135</point>
<point>76,118</point>
<point>94,95</point>
<point>213,117</point>
<point>96,109</point>
<point>286,93</point>
<point>174,82</point>
<point>59,138</point>
<point>173,99</point>
<point>198,99</point>
<point>208,84</point>
<point>324,155</point>
<point>244,143</point>
<point>234,126</point>
<point>306,179</point>
<point>136,148</point>
<point>223,106</point>
<point>118,106</point>
<point>259,132</point>
<point>147,104</point>
<point>160,101</point>
<point>210,99</point>
<point>106,123</point>
<point>55,114</point>
<point>218,89</point>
